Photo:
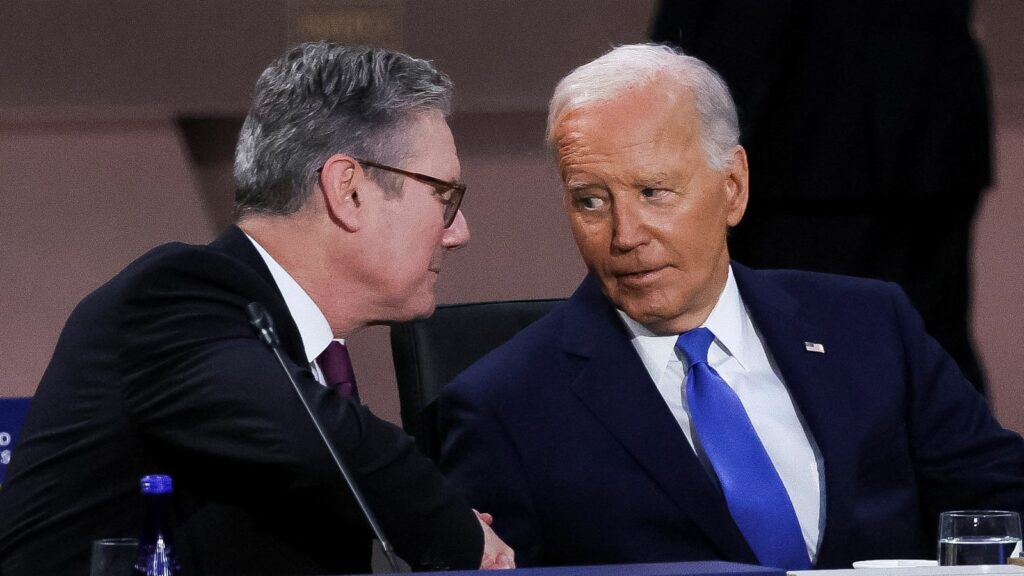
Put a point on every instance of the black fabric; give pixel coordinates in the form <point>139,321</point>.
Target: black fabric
<point>866,124</point>
<point>429,353</point>
<point>159,371</point>
<point>925,251</point>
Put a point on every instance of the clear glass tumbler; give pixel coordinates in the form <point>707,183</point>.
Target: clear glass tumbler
<point>973,537</point>
<point>113,557</point>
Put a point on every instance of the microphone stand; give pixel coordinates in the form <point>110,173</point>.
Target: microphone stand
<point>263,324</point>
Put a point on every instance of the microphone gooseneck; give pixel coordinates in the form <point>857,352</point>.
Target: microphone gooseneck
<point>263,324</point>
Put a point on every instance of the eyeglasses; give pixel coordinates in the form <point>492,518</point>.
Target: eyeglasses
<point>450,193</point>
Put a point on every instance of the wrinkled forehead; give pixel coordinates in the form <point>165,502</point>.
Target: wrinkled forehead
<point>640,118</point>
<point>572,95</point>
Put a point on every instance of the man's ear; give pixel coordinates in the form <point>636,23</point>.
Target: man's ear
<point>736,186</point>
<point>340,181</point>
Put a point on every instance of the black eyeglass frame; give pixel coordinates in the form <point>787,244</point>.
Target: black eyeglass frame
<point>441,188</point>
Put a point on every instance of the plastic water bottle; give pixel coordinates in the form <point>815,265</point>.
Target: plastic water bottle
<point>156,543</point>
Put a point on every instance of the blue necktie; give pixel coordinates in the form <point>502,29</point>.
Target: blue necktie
<point>753,490</point>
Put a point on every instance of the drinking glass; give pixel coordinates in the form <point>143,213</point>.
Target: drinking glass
<point>113,557</point>
<point>972,537</point>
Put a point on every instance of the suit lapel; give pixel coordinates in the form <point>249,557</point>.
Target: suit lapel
<point>234,242</point>
<point>617,389</point>
<point>810,376</point>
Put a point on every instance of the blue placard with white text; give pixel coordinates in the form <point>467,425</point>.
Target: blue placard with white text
<point>12,416</point>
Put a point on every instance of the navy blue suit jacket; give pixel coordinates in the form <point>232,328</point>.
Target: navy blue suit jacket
<point>562,435</point>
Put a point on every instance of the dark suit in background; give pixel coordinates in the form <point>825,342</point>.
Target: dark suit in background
<point>867,128</point>
<point>563,435</point>
<point>159,371</point>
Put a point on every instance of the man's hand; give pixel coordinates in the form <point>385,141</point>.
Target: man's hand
<point>497,554</point>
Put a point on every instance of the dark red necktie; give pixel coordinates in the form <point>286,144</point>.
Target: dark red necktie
<point>337,369</point>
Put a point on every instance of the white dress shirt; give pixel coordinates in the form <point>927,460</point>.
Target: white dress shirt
<point>312,324</point>
<point>739,356</point>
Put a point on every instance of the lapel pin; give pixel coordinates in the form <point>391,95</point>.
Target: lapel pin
<point>814,347</point>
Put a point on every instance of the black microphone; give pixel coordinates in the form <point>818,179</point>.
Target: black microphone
<point>263,324</point>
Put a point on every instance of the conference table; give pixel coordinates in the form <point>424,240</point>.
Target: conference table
<point>714,568</point>
<point>733,569</point>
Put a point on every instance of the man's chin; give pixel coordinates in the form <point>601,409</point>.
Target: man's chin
<point>659,319</point>
<point>420,310</point>
<point>643,315</point>
<point>637,304</point>
<point>410,311</point>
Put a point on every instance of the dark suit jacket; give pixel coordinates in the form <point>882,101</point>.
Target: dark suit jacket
<point>867,128</point>
<point>562,435</point>
<point>849,103</point>
<point>159,371</point>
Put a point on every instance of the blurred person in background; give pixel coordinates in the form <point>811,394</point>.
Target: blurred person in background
<point>867,126</point>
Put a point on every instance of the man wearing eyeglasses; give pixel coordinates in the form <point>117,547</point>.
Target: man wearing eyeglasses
<point>348,201</point>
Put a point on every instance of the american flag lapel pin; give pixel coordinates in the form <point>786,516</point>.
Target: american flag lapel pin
<point>814,347</point>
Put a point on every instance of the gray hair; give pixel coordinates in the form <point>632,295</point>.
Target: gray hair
<point>320,99</point>
<point>640,64</point>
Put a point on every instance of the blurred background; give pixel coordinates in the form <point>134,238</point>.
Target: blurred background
<point>118,121</point>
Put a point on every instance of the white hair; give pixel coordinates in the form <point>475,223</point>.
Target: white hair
<point>602,80</point>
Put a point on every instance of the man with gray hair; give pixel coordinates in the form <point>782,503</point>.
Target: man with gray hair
<point>680,406</point>
<point>348,200</point>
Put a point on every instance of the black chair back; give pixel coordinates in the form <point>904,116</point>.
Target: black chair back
<point>429,353</point>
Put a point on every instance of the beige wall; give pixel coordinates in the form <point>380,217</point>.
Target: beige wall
<point>78,201</point>
<point>93,170</point>
<point>999,274</point>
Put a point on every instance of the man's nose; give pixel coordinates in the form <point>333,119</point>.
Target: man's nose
<point>457,235</point>
<point>628,230</point>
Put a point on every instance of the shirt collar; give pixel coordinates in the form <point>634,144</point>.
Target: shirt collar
<point>726,322</point>
<point>312,324</point>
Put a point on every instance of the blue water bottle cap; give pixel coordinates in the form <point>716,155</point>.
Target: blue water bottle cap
<point>157,484</point>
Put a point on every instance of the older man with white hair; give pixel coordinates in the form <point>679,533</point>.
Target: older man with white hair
<point>680,406</point>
